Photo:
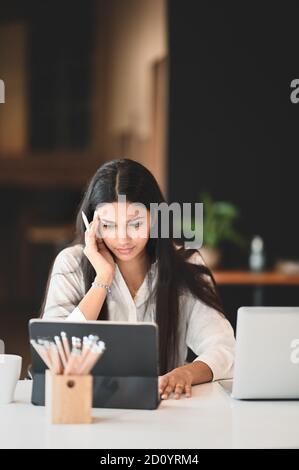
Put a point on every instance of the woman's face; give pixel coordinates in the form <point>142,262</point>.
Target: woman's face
<point>124,227</point>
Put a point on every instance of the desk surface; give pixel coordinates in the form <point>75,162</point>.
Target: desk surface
<point>210,419</point>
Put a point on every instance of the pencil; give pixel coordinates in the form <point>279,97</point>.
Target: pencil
<point>65,343</point>
<point>61,360</point>
<point>94,354</point>
<point>72,364</point>
<point>45,347</point>
<point>56,359</point>
<point>85,220</point>
<point>41,352</point>
<point>60,350</point>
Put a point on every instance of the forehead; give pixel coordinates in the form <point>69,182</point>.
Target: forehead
<point>121,210</point>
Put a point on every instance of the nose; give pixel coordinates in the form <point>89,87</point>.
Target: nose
<point>123,237</point>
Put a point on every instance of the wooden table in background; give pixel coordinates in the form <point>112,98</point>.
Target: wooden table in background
<point>256,279</point>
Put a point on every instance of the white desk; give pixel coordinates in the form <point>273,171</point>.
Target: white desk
<point>210,419</point>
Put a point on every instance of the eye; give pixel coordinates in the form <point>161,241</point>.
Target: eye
<point>107,226</point>
<point>136,225</point>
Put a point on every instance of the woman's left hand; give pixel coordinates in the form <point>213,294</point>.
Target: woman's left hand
<point>176,381</point>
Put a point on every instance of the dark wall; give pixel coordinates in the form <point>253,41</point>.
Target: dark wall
<point>232,127</point>
<point>59,51</point>
<point>60,58</point>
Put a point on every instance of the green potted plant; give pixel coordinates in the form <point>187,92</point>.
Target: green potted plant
<point>218,225</point>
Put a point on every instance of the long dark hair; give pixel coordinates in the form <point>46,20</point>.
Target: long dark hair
<point>175,273</point>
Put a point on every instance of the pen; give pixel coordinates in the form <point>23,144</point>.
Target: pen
<point>60,350</point>
<point>42,352</point>
<point>95,352</point>
<point>66,345</point>
<point>45,346</point>
<point>73,362</point>
<point>60,358</point>
<point>55,358</point>
<point>85,220</point>
<point>86,347</point>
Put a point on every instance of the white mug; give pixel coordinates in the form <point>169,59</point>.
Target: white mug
<point>10,370</point>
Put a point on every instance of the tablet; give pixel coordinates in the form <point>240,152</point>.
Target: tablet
<point>127,374</point>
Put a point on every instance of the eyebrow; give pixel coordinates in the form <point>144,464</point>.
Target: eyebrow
<point>129,220</point>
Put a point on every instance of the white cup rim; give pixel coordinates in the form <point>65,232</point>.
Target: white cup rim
<point>10,356</point>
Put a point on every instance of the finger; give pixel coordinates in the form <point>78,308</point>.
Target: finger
<point>90,238</point>
<point>86,236</point>
<point>98,232</point>
<point>94,225</point>
<point>89,235</point>
<point>167,391</point>
<point>93,229</point>
<point>178,390</point>
<point>163,381</point>
<point>188,391</point>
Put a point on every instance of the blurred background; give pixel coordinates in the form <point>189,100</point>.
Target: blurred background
<point>199,94</point>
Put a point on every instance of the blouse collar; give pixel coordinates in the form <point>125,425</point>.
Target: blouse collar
<point>142,293</point>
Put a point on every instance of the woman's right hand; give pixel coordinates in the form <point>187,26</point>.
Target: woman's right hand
<point>97,252</point>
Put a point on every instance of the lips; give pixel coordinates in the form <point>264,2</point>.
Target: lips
<point>125,250</point>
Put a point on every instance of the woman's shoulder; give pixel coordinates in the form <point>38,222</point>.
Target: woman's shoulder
<point>68,259</point>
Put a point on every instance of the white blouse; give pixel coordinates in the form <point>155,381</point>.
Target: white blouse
<point>201,328</point>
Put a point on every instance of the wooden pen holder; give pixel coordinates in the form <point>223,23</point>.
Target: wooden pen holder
<point>68,398</point>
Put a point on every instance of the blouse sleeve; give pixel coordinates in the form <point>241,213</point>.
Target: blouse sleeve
<point>211,337</point>
<point>64,288</point>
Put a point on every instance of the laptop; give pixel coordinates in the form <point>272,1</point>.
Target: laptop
<point>127,374</point>
<point>267,354</point>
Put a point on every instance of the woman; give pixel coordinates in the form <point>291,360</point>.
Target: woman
<point>118,271</point>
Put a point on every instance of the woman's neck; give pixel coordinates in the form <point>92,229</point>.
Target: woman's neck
<point>134,271</point>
